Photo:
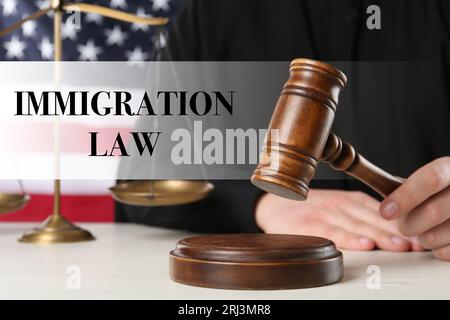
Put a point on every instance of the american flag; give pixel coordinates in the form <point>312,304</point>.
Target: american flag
<point>94,39</point>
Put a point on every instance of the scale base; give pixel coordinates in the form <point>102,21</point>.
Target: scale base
<point>56,229</point>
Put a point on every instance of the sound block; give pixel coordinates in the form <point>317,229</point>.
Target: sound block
<point>256,261</point>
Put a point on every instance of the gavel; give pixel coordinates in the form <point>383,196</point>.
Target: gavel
<point>300,136</point>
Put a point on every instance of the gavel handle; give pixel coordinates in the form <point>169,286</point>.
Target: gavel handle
<point>342,157</point>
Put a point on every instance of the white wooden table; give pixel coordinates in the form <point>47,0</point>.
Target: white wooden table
<point>130,261</point>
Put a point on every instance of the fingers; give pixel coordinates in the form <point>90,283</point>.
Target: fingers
<point>313,227</point>
<point>357,212</point>
<point>436,237</point>
<point>364,219</point>
<point>415,244</point>
<point>422,184</point>
<point>442,253</point>
<point>369,212</point>
<point>382,238</point>
<point>342,238</point>
<point>429,214</point>
<point>423,208</point>
<point>350,219</point>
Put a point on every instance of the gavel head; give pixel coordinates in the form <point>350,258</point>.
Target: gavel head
<point>299,129</point>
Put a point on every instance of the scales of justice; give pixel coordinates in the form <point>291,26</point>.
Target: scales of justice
<point>56,228</point>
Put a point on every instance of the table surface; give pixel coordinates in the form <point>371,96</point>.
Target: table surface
<point>129,261</point>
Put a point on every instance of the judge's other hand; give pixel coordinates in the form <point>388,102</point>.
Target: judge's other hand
<point>421,207</point>
<point>350,219</point>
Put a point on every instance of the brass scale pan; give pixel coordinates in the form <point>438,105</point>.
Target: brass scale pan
<point>12,202</point>
<point>161,192</point>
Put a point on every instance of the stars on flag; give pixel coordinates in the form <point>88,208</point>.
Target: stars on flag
<point>89,51</point>
<point>9,7</point>
<point>120,4</point>
<point>161,5</point>
<point>46,48</point>
<point>29,28</point>
<point>94,18</point>
<point>95,38</point>
<point>69,30</point>
<point>15,48</point>
<point>115,36</point>
<point>137,56</point>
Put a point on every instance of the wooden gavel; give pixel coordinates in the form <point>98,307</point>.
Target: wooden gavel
<point>300,136</point>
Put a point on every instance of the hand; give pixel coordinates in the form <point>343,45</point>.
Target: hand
<point>422,207</point>
<point>350,219</point>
